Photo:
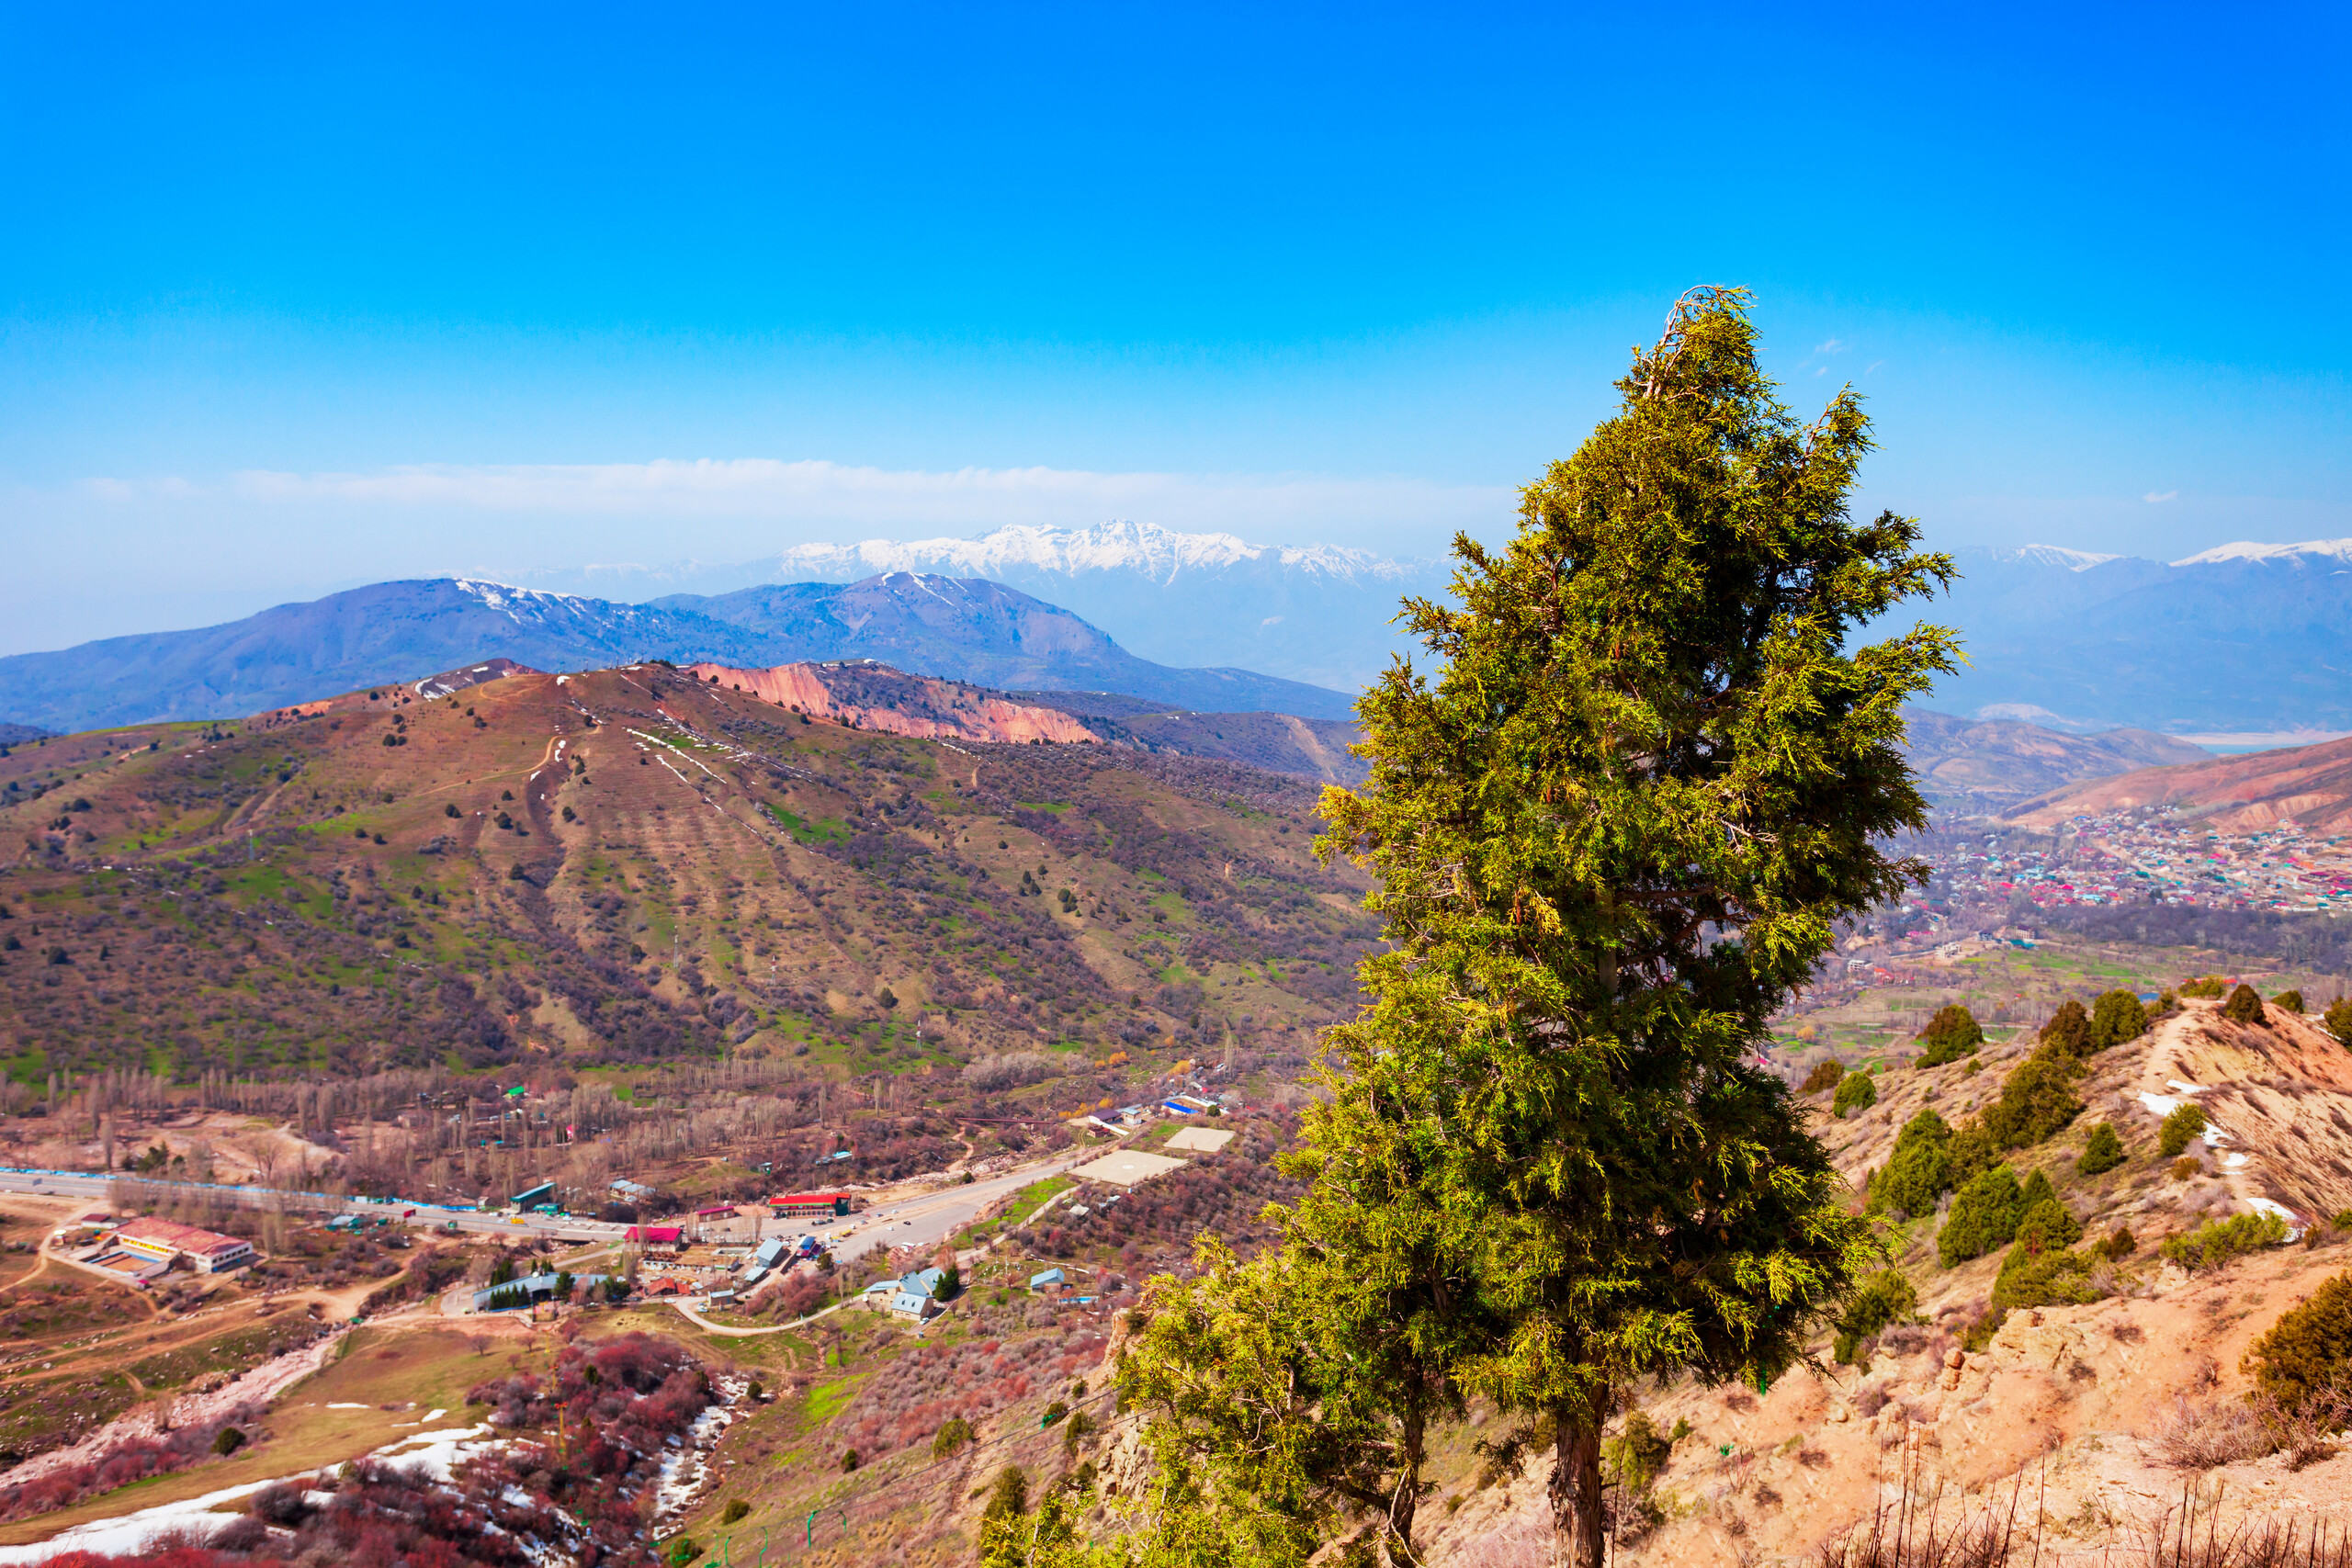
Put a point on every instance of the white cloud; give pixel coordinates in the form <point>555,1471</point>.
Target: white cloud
<point>2152,497</point>
<point>1835,345</point>
<point>761,488</point>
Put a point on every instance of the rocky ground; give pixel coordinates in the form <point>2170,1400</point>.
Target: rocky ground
<point>2073,1426</point>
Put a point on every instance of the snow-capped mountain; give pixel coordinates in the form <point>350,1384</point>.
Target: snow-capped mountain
<point>2056,555</point>
<point>2331,552</point>
<point>1143,549</point>
<point>1312,613</point>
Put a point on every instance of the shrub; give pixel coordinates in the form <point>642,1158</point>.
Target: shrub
<point>1856,1091</point>
<point>2290,999</point>
<point>1983,1216</point>
<point>2187,1121</point>
<point>680,1552</point>
<point>2184,1168</point>
<point>2048,1226</point>
<point>2244,1006</point>
<point>1953,1033</point>
<point>954,1435</point>
<point>2119,1244</point>
<point>2035,1189</point>
<point>229,1441</point>
<point>849,1460</point>
<point>1824,1075</point>
<point>736,1509</point>
<point>1882,1299</point>
<point>2054,1277</point>
<point>2215,1242</point>
<point>2116,1018</point>
<point>2069,1028</point>
<point>2102,1153</point>
<point>2308,1352</point>
<point>2338,1019</point>
<point>1919,1170</point>
<point>2208,1433</point>
<point>2037,1098</point>
<point>2205,985</point>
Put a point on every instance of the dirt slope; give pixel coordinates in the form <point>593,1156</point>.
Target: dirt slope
<point>2309,785</point>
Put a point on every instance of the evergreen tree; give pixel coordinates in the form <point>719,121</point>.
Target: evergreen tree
<point>2244,1006</point>
<point>2116,1018</point>
<point>1612,836</point>
<point>1953,1033</point>
<point>2069,1028</point>
<point>2338,1020</point>
<point>2103,1152</point>
<point>1983,1215</point>
<point>1856,1091</point>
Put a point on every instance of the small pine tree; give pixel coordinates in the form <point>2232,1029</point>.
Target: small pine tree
<point>2186,1123</point>
<point>2048,1226</point>
<point>1918,1171</point>
<point>2037,1098</point>
<point>2103,1152</point>
<point>2036,1189</point>
<point>2292,1000</point>
<point>1856,1091</point>
<point>1983,1216</point>
<point>2338,1020</point>
<point>2308,1352</point>
<point>2244,1006</point>
<point>2206,987</point>
<point>1953,1033</point>
<point>2116,1016</point>
<point>1884,1298</point>
<point>2069,1028</point>
<point>1827,1075</point>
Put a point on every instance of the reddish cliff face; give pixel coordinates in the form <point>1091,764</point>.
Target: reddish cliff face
<point>875,696</point>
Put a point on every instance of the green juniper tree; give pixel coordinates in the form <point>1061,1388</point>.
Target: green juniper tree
<point>1612,835</point>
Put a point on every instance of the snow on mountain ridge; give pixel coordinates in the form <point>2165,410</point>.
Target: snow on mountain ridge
<point>2058,555</point>
<point>1146,548</point>
<point>2248,549</point>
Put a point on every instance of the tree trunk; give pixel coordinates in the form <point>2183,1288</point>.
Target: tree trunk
<point>1576,1490</point>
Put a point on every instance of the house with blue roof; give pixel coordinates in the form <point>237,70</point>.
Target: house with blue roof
<point>915,1296</point>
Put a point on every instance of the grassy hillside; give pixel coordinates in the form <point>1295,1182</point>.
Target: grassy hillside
<point>626,866</point>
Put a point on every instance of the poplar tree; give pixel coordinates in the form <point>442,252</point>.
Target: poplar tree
<point>1612,830</point>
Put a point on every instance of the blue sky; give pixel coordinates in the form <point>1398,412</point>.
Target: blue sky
<point>292,300</point>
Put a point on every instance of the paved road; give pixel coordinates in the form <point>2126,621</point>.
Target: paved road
<point>931,1217</point>
<point>918,1221</point>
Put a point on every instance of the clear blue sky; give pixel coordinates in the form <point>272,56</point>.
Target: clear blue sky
<point>2075,262</point>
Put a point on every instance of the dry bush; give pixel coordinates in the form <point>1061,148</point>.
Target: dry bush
<point>1912,1532</point>
<point>2202,1434</point>
<point>2191,1535</point>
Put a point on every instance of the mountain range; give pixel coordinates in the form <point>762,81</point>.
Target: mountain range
<point>2243,637</point>
<point>1317,613</point>
<point>959,628</point>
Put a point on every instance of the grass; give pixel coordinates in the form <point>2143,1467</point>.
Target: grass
<point>1024,1202</point>
<point>827,1400</point>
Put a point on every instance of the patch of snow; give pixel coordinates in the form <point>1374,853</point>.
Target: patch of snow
<point>2265,1206</point>
<point>2161,1104</point>
<point>2234,1161</point>
<point>194,1517</point>
<point>350,1408</point>
<point>2185,1088</point>
<point>687,1469</point>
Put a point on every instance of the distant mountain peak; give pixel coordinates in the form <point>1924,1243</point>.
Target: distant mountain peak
<point>2057,555</point>
<point>1146,549</point>
<point>2338,550</point>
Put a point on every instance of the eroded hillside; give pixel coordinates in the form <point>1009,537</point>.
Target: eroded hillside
<point>630,864</point>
